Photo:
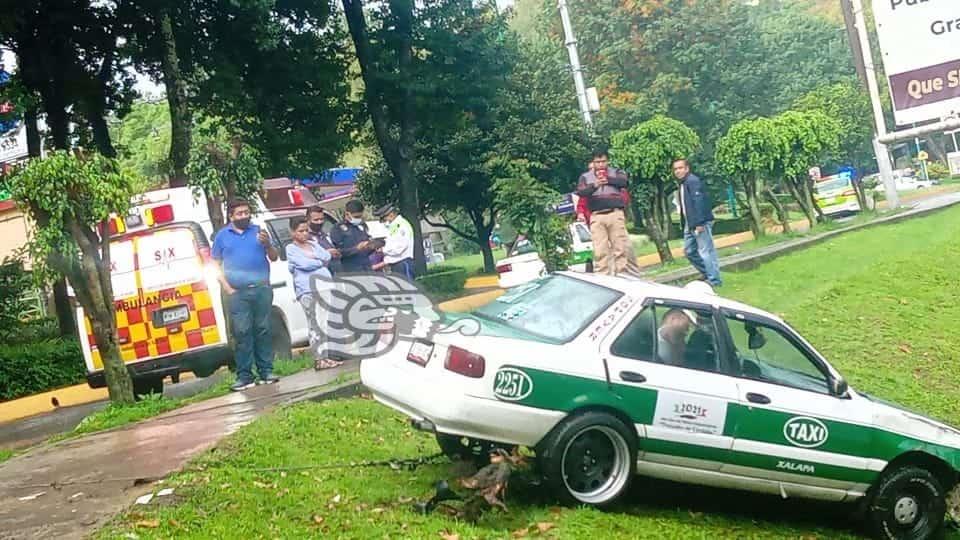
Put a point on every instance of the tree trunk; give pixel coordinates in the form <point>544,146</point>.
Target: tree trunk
<point>180,115</point>
<point>798,196</point>
<point>655,231</point>
<point>861,194</point>
<point>637,214</point>
<point>61,304</point>
<point>782,214</point>
<point>808,195</point>
<point>756,219</point>
<point>55,107</point>
<point>91,282</point>
<point>215,209</point>
<point>399,153</point>
<point>101,134</point>
<point>666,207</point>
<point>34,145</point>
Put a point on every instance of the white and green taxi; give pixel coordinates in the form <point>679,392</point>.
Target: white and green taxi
<point>605,377</point>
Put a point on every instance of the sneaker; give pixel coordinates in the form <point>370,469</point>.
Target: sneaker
<point>240,386</point>
<point>269,379</point>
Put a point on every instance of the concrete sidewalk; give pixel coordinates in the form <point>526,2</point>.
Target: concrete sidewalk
<point>69,489</point>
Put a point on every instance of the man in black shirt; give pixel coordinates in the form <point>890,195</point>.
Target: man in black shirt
<point>352,239</point>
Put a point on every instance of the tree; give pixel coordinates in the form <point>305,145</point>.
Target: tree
<point>647,151</point>
<point>848,105</point>
<point>223,167</point>
<point>749,153</point>
<point>142,139</point>
<point>69,198</point>
<point>514,109</point>
<point>529,205</point>
<point>275,70</point>
<point>807,138</point>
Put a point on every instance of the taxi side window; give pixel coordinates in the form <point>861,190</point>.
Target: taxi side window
<point>765,354</point>
<point>680,337</point>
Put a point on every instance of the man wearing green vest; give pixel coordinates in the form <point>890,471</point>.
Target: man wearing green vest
<point>398,249</point>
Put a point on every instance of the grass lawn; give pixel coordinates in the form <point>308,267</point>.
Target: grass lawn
<point>881,304</point>
<point>5,454</point>
<point>473,264</point>
<point>118,415</point>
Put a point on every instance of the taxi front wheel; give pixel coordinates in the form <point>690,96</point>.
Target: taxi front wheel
<point>909,504</point>
<point>589,458</point>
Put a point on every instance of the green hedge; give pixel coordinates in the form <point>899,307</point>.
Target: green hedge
<point>27,369</point>
<point>443,280</point>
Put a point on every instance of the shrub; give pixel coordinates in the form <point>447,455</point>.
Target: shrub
<point>937,170</point>
<point>14,282</point>
<point>30,331</point>
<point>443,280</point>
<point>40,366</point>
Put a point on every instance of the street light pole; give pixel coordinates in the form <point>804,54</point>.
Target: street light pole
<point>571,43</point>
<point>883,156</point>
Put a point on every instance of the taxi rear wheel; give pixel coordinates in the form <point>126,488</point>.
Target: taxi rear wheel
<point>909,504</point>
<point>589,458</point>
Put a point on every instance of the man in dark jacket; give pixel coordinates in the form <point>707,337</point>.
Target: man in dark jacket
<point>603,188</point>
<point>352,239</point>
<point>696,216</point>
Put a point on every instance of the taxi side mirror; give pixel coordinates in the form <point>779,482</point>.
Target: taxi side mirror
<point>839,387</point>
<point>756,341</point>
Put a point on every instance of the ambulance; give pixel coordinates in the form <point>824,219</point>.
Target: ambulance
<point>171,317</point>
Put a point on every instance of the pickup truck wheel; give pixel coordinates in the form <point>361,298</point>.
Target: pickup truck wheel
<point>145,387</point>
<point>909,504</point>
<point>282,346</point>
<point>590,458</point>
<point>466,449</point>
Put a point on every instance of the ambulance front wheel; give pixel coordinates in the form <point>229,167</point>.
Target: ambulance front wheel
<point>143,387</point>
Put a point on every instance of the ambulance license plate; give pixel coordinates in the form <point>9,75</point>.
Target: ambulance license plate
<point>173,316</point>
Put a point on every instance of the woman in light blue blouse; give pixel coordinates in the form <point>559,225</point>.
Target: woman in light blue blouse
<point>305,259</point>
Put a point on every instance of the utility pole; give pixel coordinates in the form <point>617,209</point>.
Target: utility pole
<point>571,43</point>
<point>883,156</point>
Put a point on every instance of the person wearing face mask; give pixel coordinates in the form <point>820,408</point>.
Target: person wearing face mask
<point>305,259</point>
<point>316,217</point>
<point>350,237</point>
<point>398,249</point>
<point>243,251</point>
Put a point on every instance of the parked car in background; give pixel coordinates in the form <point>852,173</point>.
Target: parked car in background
<point>906,183</point>
<point>524,263</point>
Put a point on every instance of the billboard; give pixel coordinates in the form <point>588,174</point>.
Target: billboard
<point>920,46</point>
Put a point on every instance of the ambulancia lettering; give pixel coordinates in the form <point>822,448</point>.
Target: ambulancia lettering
<point>805,432</point>
<point>511,384</point>
<point>796,467</point>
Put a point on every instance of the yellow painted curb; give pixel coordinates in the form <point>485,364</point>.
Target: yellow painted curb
<point>79,394</point>
<point>481,282</point>
<point>468,303</point>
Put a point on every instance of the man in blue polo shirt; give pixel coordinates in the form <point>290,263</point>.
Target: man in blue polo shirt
<point>242,249</point>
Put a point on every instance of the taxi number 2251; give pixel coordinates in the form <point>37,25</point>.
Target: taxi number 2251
<point>511,384</point>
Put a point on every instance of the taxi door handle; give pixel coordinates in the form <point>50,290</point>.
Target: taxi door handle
<point>630,376</point>
<point>757,398</point>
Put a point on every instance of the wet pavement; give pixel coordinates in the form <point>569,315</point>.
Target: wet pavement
<point>71,488</point>
<point>29,431</point>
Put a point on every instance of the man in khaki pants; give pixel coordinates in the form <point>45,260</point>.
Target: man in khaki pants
<point>603,189</point>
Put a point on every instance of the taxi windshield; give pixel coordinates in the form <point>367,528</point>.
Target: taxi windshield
<point>556,308</point>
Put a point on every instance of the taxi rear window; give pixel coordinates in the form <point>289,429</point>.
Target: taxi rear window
<point>557,308</point>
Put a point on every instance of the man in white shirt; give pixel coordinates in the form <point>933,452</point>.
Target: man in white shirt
<point>398,249</point>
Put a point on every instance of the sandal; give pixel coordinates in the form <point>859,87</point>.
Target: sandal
<point>326,364</point>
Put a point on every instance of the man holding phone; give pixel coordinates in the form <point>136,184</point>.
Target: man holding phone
<point>603,188</point>
<point>244,252</point>
<point>351,238</point>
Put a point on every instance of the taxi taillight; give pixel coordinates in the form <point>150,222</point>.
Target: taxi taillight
<point>465,362</point>
<point>504,268</point>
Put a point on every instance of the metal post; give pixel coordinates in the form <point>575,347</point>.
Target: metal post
<point>883,156</point>
<point>571,43</point>
<point>923,163</point>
